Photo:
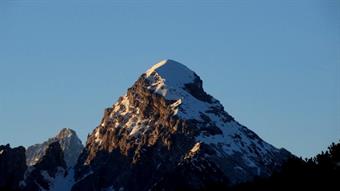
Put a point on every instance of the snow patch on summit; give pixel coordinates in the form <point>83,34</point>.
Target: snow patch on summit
<point>172,72</point>
<point>168,78</point>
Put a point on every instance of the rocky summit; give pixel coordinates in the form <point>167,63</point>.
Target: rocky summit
<point>167,133</point>
<point>44,173</point>
<point>69,143</point>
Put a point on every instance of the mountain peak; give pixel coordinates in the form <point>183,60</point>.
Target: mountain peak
<point>70,144</point>
<point>66,132</point>
<point>171,79</point>
<point>165,123</point>
<point>167,67</point>
<point>180,85</point>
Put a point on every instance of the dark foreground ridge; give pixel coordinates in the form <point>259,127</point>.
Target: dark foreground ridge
<point>321,172</point>
<point>12,167</point>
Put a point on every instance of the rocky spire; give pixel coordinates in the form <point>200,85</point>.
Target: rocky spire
<point>42,175</point>
<point>70,145</point>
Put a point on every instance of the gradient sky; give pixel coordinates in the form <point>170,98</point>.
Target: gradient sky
<point>274,65</point>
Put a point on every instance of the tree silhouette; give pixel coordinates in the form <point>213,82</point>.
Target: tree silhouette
<point>321,172</point>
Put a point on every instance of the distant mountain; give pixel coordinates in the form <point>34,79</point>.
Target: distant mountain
<point>49,165</point>
<point>167,133</point>
<point>47,172</point>
<point>70,145</point>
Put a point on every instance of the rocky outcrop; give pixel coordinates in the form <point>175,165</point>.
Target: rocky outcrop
<point>12,167</point>
<point>194,172</point>
<point>70,145</point>
<point>167,133</point>
<point>41,175</point>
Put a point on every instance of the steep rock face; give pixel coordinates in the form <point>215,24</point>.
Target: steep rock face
<point>12,167</point>
<point>41,175</point>
<point>70,145</point>
<point>194,172</point>
<point>168,131</point>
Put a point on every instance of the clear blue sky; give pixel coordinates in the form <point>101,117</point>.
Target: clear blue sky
<point>273,64</point>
